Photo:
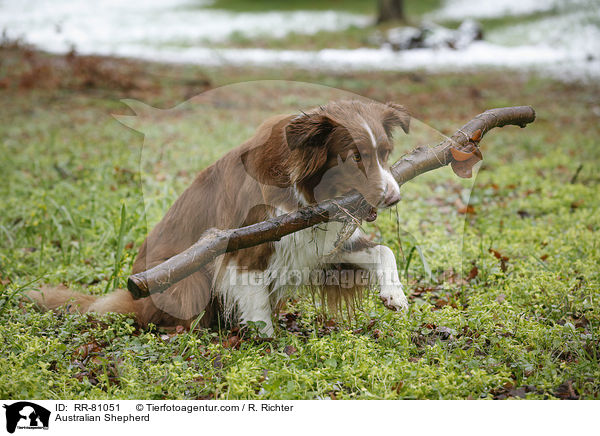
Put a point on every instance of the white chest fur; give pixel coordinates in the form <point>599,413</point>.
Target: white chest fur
<point>251,293</point>
<point>296,255</point>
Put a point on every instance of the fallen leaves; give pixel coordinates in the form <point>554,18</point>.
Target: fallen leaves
<point>566,391</point>
<point>291,323</point>
<point>398,387</point>
<point>576,204</point>
<point>453,277</point>
<point>234,342</point>
<point>464,209</point>
<point>328,326</point>
<point>503,259</point>
<point>95,365</point>
<point>473,273</point>
<point>85,350</point>
<point>429,334</point>
<point>289,350</point>
<point>438,296</point>
<point>510,390</point>
<point>239,335</point>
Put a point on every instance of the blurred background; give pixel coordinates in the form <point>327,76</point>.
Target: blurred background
<point>560,38</point>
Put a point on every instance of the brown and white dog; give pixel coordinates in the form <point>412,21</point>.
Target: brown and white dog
<point>291,161</point>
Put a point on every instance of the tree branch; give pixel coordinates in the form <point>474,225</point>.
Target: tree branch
<point>215,242</point>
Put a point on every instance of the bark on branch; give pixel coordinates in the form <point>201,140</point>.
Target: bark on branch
<point>215,242</point>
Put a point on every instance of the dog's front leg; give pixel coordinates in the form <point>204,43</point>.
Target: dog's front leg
<point>254,306</point>
<point>245,294</point>
<point>250,295</point>
<point>380,262</point>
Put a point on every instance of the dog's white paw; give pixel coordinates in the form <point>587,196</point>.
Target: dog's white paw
<point>393,298</point>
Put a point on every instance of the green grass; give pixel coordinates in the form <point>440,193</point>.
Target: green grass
<point>73,211</point>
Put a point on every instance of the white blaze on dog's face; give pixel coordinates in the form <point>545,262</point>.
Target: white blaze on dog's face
<point>345,146</point>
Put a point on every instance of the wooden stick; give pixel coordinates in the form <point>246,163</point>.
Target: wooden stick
<point>215,242</point>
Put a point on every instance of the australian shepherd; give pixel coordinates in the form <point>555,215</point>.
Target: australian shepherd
<point>291,161</point>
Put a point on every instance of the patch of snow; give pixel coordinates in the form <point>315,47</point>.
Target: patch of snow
<point>576,31</point>
<point>575,34</point>
<point>57,25</point>
<point>565,45</point>
<point>480,54</point>
<point>461,9</point>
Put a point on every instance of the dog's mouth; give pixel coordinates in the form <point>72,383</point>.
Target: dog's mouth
<point>371,215</point>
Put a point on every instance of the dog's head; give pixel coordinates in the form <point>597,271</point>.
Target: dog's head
<point>345,146</point>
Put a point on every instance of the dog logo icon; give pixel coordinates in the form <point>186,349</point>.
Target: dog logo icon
<point>26,415</point>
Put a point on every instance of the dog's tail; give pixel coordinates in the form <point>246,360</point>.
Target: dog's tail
<point>52,298</point>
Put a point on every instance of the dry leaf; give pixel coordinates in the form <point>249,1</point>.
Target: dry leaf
<point>464,208</point>
<point>503,259</point>
<point>233,341</point>
<point>465,159</point>
<point>498,255</point>
<point>473,273</point>
<point>576,204</point>
<point>461,156</point>
<point>566,391</point>
<point>476,136</point>
<point>289,350</point>
<point>398,387</point>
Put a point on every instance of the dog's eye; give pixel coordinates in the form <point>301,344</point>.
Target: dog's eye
<point>356,157</point>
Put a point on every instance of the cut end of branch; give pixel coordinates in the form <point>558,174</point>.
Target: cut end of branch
<point>137,286</point>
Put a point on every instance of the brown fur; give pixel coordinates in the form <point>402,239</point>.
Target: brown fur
<point>287,154</point>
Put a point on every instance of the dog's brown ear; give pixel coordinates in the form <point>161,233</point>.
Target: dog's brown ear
<point>308,130</point>
<point>395,115</point>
